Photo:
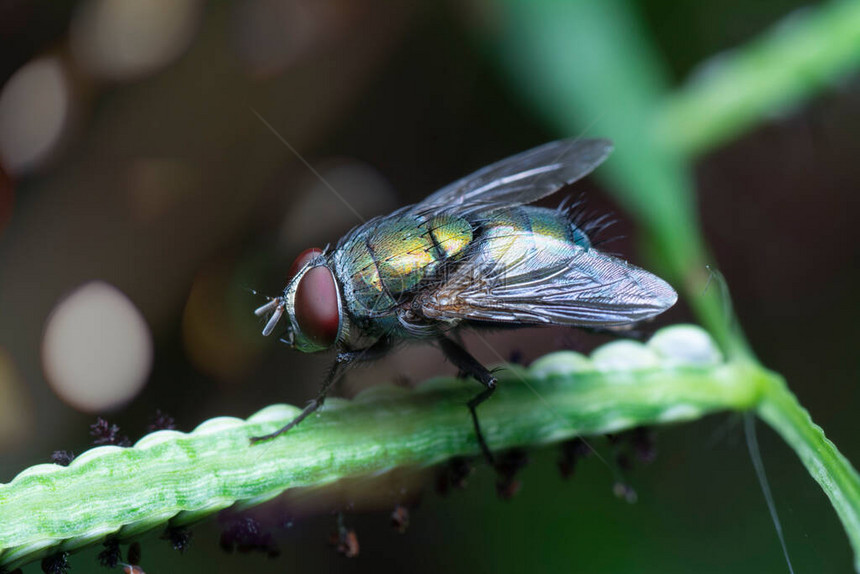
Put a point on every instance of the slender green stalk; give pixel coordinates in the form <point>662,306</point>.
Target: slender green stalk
<point>591,69</point>
<point>837,477</point>
<point>589,65</point>
<point>172,478</point>
<point>737,90</point>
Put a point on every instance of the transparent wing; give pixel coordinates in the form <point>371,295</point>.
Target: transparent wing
<point>588,289</point>
<point>525,177</point>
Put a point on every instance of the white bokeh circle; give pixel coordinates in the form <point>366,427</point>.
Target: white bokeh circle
<point>97,349</point>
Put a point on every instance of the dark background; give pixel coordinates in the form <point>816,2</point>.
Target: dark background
<point>167,186</point>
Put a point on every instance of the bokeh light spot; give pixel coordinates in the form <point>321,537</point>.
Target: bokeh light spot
<point>212,340</point>
<point>359,185</point>
<point>128,39</point>
<point>97,348</point>
<point>272,34</point>
<point>7,199</point>
<point>34,112</point>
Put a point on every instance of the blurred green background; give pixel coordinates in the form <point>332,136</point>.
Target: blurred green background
<point>130,155</point>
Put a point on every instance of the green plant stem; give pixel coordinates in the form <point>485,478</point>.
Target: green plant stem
<point>737,90</point>
<point>591,69</point>
<point>589,65</point>
<point>176,478</point>
<point>833,472</point>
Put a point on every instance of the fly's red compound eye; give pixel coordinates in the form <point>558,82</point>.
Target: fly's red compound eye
<point>316,306</point>
<point>302,260</point>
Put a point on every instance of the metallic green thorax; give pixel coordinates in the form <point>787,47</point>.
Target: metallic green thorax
<point>381,267</point>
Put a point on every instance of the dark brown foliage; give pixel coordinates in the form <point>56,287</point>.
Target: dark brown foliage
<point>56,563</point>
<point>453,474</point>
<point>244,534</point>
<point>106,433</point>
<point>134,554</point>
<point>111,555</point>
<point>571,452</point>
<point>178,536</point>
<point>161,421</point>
<point>507,468</point>
<point>62,457</point>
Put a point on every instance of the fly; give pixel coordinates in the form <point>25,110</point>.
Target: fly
<point>473,254</point>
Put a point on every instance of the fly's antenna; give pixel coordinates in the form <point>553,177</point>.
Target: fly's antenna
<point>256,293</point>
<point>276,306</point>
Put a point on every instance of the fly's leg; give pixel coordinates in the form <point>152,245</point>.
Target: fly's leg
<point>469,365</point>
<point>457,339</point>
<point>336,369</point>
<point>473,405</point>
<point>343,361</point>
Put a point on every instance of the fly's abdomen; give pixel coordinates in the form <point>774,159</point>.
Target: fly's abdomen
<point>380,266</point>
<point>450,235</point>
<point>527,237</point>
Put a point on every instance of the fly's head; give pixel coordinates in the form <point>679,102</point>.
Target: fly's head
<point>311,302</point>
